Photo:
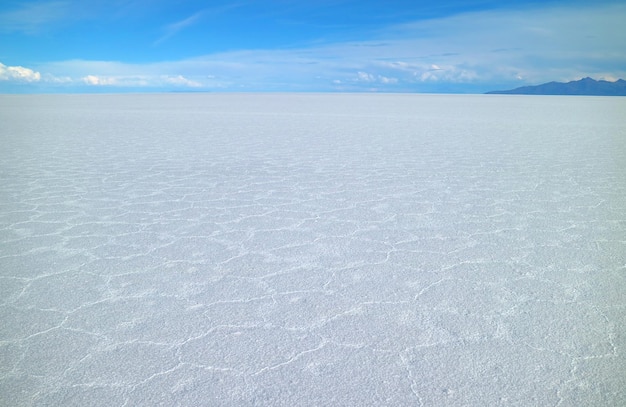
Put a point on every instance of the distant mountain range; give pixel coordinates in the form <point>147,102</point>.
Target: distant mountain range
<point>585,86</point>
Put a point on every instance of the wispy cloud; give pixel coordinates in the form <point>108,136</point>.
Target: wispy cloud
<point>173,28</point>
<point>31,17</point>
<point>145,81</point>
<point>466,51</point>
<point>39,16</point>
<point>177,26</point>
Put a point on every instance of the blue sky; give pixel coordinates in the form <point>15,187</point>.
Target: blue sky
<point>449,46</point>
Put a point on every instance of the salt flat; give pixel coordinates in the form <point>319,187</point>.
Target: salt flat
<point>312,250</point>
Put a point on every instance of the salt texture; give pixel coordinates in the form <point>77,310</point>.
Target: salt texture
<point>312,249</point>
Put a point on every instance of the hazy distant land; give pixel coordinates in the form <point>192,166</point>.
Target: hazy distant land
<point>585,86</point>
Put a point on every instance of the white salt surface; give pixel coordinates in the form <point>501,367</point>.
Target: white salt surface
<point>312,250</point>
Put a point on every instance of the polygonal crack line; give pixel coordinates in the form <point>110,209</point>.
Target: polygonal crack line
<point>292,359</point>
<point>405,362</point>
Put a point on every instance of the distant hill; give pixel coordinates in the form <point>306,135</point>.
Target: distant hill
<point>585,86</point>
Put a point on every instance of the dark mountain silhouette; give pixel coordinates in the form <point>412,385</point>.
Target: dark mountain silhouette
<point>585,86</point>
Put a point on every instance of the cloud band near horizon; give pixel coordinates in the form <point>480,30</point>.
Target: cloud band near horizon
<point>466,52</point>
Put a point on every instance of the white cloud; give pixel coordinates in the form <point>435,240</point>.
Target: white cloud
<point>182,81</point>
<point>386,80</point>
<point>544,43</point>
<point>141,81</point>
<point>128,81</point>
<point>522,46</point>
<point>372,78</point>
<point>18,73</point>
<point>365,77</point>
<point>99,80</point>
